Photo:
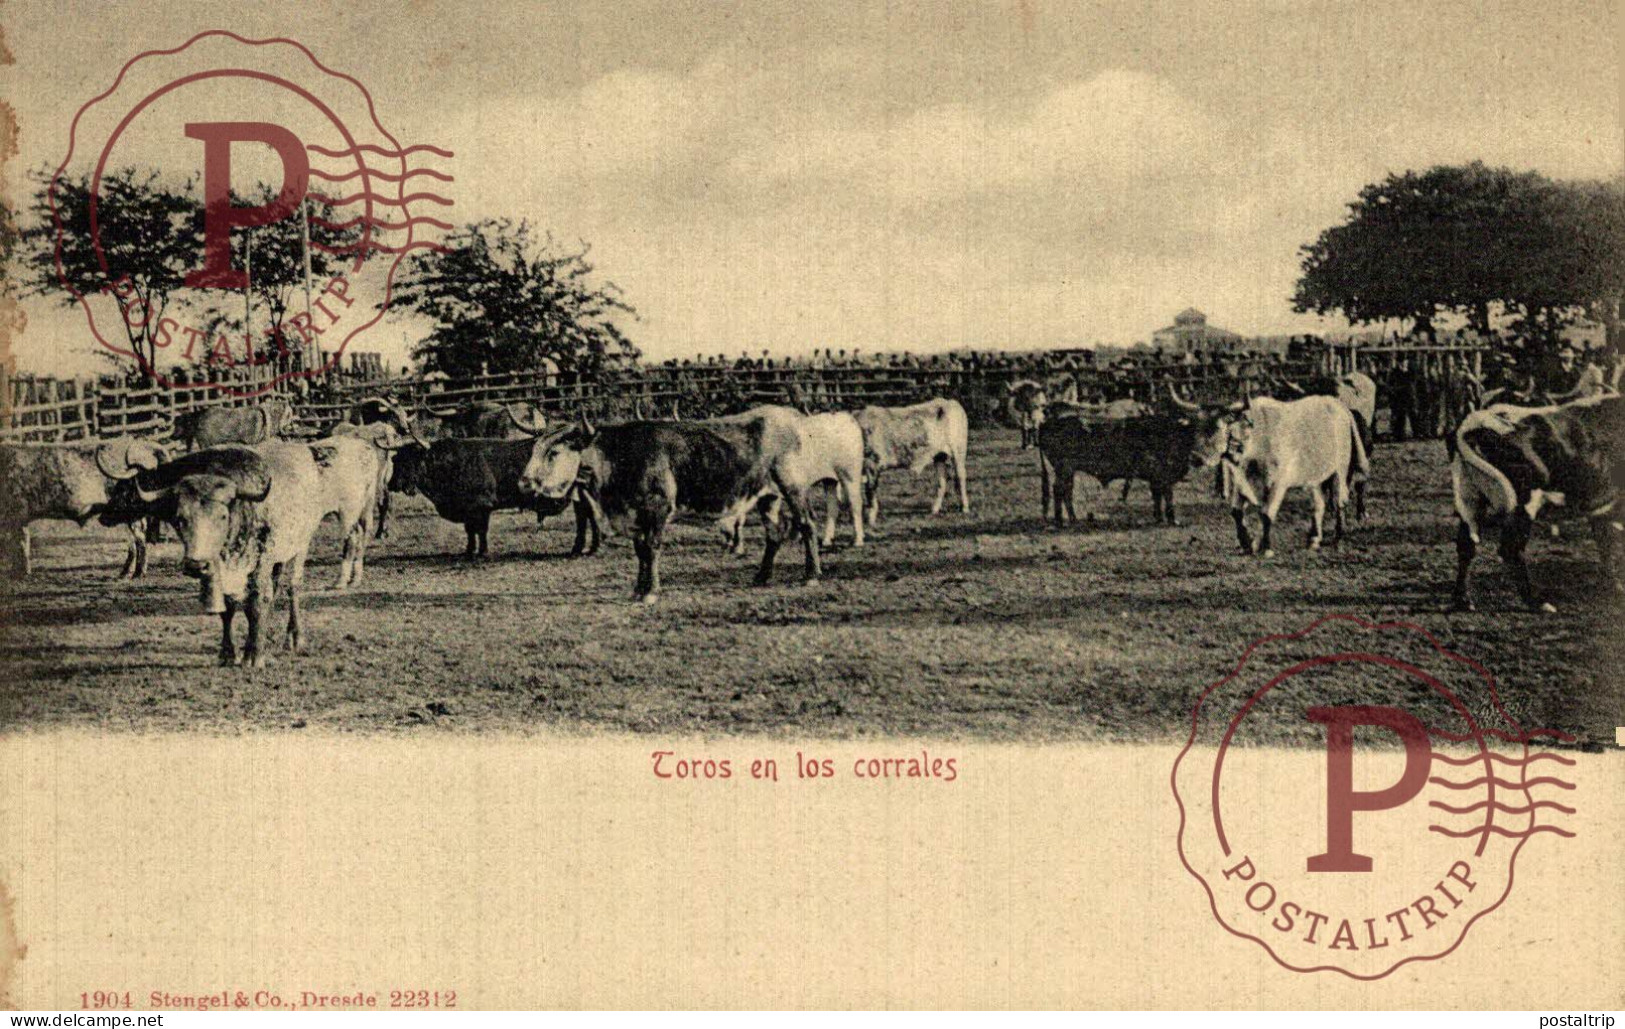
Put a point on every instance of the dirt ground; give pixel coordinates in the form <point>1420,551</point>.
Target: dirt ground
<point>984,626</point>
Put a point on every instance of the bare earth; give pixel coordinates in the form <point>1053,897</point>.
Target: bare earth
<point>983,626</point>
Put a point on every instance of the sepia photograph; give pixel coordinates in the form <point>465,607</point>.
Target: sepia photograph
<point>631,460</point>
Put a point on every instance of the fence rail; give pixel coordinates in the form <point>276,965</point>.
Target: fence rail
<point>40,409</point>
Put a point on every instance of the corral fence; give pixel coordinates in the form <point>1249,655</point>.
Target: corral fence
<point>41,409</point>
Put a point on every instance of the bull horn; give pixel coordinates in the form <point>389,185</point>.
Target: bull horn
<point>440,412</point>
<point>405,423</point>
<point>102,454</point>
<point>147,496</point>
<point>246,490</point>
<point>1181,402</point>
<point>530,428</point>
<point>586,426</point>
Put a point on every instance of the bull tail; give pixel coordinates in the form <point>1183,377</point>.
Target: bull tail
<point>1044,485</point>
<point>1359,457</point>
<point>1468,454</point>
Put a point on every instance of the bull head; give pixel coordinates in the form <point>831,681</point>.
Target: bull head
<point>1180,402</point>
<point>245,469</point>
<point>535,427</point>
<point>124,458</point>
<point>407,425</point>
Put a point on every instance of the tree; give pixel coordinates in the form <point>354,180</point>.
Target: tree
<point>502,300</point>
<point>151,234</point>
<point>1469,239</point>
<point>279,265</point>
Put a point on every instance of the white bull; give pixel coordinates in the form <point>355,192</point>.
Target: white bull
<point>830,451</point>
<point>915,437</point>
<point>1277,446</point>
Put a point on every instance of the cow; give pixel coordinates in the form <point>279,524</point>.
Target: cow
<point>1356,391</point>
<point>349,475</point>
<point>467,479</point>
<point>646,472</point>
<point>73,482</point>
<point>245,516</point>
<point>213,426</point>
<point>1025,401</point>
<point>1510,462</point>
<point>831,453</point>
<point>120,461</point>
<point>915,437</point>
<point>1278,445</point>
<point>481,420</point>
<point>1160,449</point>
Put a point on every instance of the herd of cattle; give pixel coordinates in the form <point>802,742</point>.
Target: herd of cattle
<point>245,491</point>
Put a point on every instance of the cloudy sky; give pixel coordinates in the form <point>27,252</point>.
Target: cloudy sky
<point>924,176</point>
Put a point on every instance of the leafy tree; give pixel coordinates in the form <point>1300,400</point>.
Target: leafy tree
<point>503,300</point>
<point>279,266</point>
<point>151,234</point>
<point>1471,239</point>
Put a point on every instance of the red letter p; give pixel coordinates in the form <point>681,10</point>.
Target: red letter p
<point>219,216</point>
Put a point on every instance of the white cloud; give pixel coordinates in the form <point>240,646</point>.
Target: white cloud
<point>1102,132</point>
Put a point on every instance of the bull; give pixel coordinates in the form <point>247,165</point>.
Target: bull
<point>831,453</point>
<point>646,472</point>
<point>1277,446</point>
<point>1160,449</point>
<point>249,426</point>
<point>1510,462</point>
<point>74,482</point>
<point>1025,401</point>
<point>915,437</point>
<point>468,479</point>
<point>246,517</point>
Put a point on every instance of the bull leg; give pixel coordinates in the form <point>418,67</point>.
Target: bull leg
<point>1130,482</point>
<point>136,553</point>
<point>1466,550</point>
<point>382,529</point>
<point>473,539</point>
<point>483,527</point>
<point>1359,500</point>
<point>1243,537</point>
<point>1317,516</point>
<point>854,501</point>
<point>584,522</point>
<point>228,650</point>
<point>942,483</point>
<point>1340,495</point>
<point>764,573</point>
<point>801,510</point>
<point>871,496</point>
<point>295,640</point>
<point>259,602</point>
<point>651,519</point>
<point>959,481</point>
<point>1267,516</point>
<point>1515,533</point>
<point>1067,486</point>
<point>832,511</point>
<point>1602,531</point>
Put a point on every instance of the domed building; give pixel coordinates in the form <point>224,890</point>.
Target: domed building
<point>1191,332</point>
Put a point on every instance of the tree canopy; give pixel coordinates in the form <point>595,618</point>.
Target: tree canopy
<point>1471,239</point>
<point>151,232</point>
<point>501,299</point>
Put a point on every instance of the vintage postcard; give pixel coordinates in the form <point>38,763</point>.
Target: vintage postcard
<point>990,505</point>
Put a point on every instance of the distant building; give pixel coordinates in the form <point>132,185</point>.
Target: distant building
<point>1191,332</point>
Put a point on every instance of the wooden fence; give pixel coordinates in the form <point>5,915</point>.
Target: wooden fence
<point>60,410</point>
